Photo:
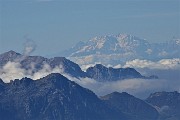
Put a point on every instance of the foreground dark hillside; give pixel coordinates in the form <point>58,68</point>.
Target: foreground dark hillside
<point>52,98</point>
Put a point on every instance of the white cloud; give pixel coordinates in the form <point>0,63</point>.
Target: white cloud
<point>46,70</point>
<point>13,70</point>
<point>162,64</point>
<point>168,69</point>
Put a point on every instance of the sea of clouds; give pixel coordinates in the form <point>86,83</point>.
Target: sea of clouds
<point>168,71</point>
<point>169,78</point>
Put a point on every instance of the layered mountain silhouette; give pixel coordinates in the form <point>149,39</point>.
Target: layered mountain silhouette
<point>98,72</point>
<point>55,97</point>
<point>117,49</point>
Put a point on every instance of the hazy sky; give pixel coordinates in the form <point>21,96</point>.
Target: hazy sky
<point>55,25</point>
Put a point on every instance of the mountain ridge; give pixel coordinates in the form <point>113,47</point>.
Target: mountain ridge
<point>34,64</point>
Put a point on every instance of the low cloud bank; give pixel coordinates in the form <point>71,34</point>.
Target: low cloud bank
<point>139,87</point>
<point>163,64</point>
<point>169,77</point>
<point>168,69</point>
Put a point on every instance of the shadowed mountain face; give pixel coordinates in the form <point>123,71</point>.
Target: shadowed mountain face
<point>53,97</point>
<point>135,108</point>
<point>167,103</point>
<point>102,73</point>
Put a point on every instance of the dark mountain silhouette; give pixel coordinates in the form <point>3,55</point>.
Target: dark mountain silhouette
<point>102,73</point>
<point>53,97</point>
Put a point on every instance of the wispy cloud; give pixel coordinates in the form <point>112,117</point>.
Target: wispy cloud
<point>29,47</point>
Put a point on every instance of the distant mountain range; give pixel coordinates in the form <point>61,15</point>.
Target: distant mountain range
<point>55,97</point>
<point>116,49</point>
<point>98,72</point>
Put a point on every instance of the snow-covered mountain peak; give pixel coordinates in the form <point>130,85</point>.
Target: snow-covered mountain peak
<point>114,42</point>
<point>121,48</point>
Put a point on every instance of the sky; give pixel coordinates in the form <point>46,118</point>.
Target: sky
<point>56,25</point>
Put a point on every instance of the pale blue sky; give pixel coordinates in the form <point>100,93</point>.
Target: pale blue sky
<point>58,24</point>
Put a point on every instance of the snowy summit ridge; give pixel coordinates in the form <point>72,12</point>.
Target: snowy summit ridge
<point>119,48</point>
